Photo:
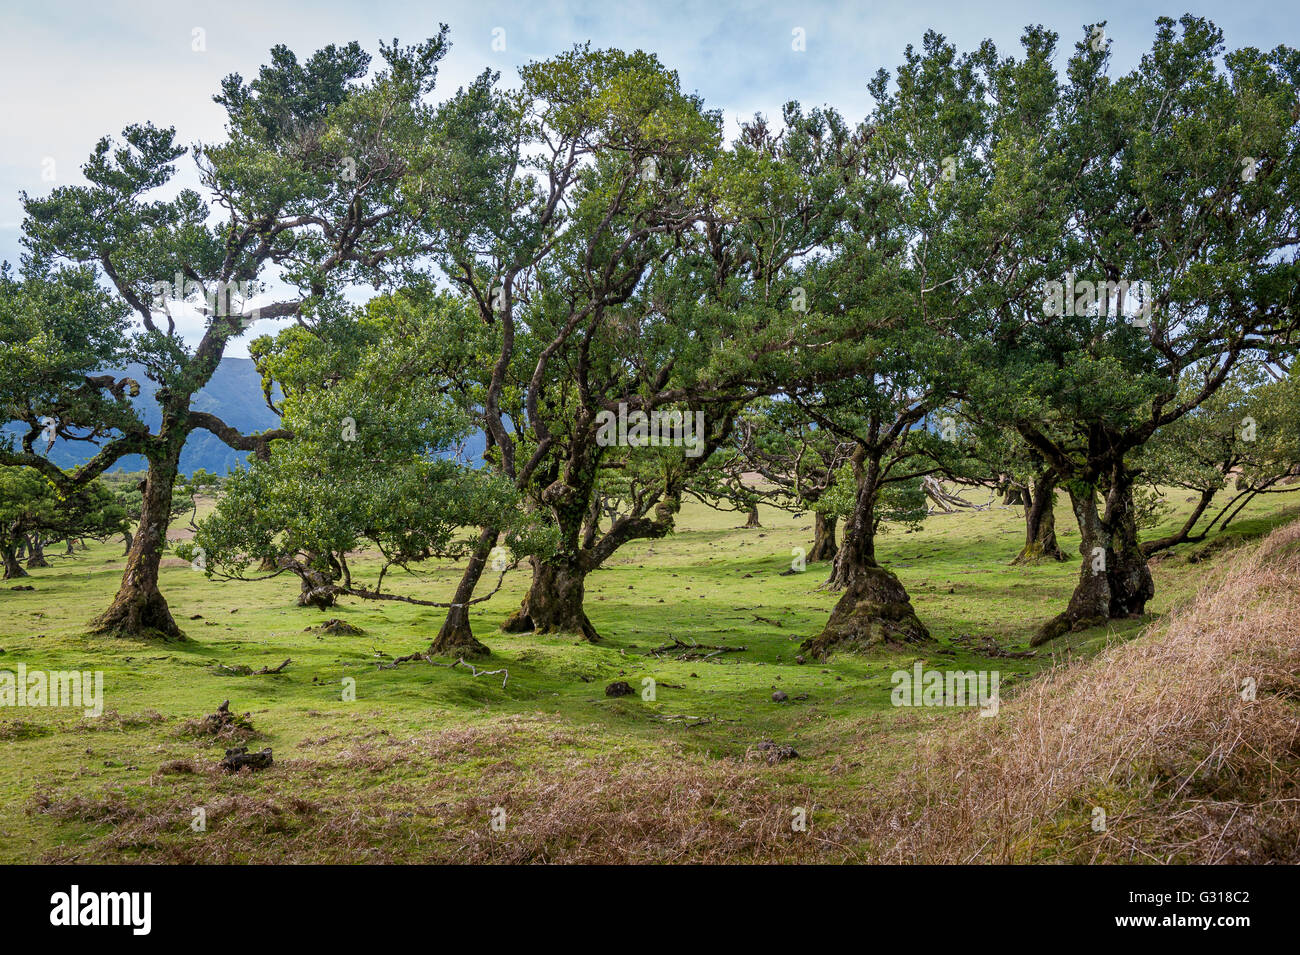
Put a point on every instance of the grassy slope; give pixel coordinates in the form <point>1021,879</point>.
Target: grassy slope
<point>412,768</point>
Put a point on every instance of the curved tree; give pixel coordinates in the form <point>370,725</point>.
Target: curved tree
<point>312,188</point>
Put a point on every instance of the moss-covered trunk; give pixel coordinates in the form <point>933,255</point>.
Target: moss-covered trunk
<point>874,608</point>
<point>139,609</point>
<point>554,602</point>
<point>1114,580</point>
<point>1040,524</point>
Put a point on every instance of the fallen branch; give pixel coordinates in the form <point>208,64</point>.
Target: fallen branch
<point>461,663</point>
<point>242,670</point>
<point>410,657</point>
<point>688,721</point>
<point>693,650</point>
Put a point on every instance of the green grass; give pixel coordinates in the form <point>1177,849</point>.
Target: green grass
<point>412,768</point>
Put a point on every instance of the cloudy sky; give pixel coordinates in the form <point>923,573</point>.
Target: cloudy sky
<point>75,71</point>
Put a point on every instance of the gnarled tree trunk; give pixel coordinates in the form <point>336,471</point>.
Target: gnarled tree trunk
<point>1040,524</point>
<point>875,608</point>
<point>554,600</point>
<point>1114,580</point>
<point>751,519</point>
<point>139,609</point>
<point>824,545</point>
<point>12,567</point>
<point>36,552</point>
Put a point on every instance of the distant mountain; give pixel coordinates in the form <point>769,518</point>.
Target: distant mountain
<point>234,395</point>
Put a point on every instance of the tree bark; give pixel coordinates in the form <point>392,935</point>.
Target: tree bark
<point>824,544</point>
<point>1114,580</point>
<point>875,608</point>
<point>126,536</point>
<point>554,600</point>
<point>139,609</point>
<point>36,552</point>
<point>1040,524</point>
<point>12,567</point>
<point>751,519</point>
<point>456,637</point>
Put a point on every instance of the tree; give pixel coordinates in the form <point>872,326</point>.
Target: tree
<point>374,464</point>
<point>1245,434</point>
<point>799,463</point>
<point>892,304</point>
<point>1161,256</point>
<point>1018,471</point>
<point>586,185</point>
<point>313,187</point>
<point>32,507</point>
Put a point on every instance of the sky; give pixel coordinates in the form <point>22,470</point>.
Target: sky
<point>75,71</point>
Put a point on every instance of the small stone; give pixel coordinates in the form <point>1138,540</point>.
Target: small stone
<point>798,658</point>
<point>618,688</point>
<point>779,696</point>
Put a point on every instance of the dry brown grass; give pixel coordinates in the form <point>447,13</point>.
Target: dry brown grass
<point>1155,732</point>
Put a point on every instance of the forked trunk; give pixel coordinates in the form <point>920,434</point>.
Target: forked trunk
<point>456,638</point>
<point>824,546</point>
<point>1040,524</point>
<point>1114,580</point>
<point>553,603</point>
<point>36,552</point>
<point>139,609</point>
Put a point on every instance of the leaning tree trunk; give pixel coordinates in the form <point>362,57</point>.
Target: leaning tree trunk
<point>824,546</point>
<point>1040,524</point>
<point>36,552</point>
<point>1114,580</point>
<point>12,567</point>
<point>874,609</point>
<point>139,609</point>
<point>751,520</point>
<point>456,638</point>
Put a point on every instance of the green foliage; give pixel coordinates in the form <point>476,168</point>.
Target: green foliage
<point>370,418</point>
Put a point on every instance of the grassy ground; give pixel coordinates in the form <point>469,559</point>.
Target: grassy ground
<point>416,767</point>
